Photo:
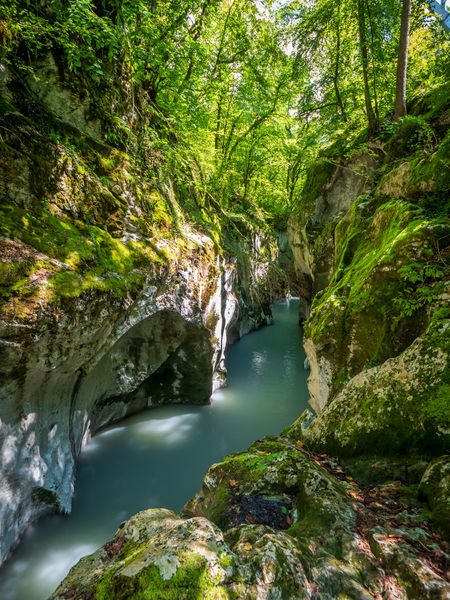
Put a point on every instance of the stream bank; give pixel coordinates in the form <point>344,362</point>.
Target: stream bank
<point>158,458</point>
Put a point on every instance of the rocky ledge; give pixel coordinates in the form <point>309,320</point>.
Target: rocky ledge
<point>277,521</point>
<point>116,291</point>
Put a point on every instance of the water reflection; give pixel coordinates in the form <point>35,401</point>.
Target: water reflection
<point>168,431</point>
<point>159,458</point>
<point>259,361</point>
<point>109,432</point>
<point>56,563</point>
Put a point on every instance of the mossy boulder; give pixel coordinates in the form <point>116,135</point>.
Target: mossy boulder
<point>425,173</point>
<point>158,556</point>
<point>388,269</point>
<point>155,555</point>
<point>395,407</point>
<point>276,469</point>
<point>410,134</point>
<point>435,489</point>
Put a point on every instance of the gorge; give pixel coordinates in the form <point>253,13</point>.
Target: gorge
<point>159,457</point>
<point>168,172</point>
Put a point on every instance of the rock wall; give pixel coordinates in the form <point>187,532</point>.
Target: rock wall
<point>84,363</point>
<point>371,237</point>
<point>112,299</point>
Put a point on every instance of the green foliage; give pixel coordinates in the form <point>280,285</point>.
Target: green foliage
<point>231,101</point>
<point>424,283</point>
<point>409,135</point>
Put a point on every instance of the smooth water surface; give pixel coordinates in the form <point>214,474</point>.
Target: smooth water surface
<point>158,458</point>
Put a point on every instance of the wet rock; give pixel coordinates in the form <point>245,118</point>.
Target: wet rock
<point>274,511</point>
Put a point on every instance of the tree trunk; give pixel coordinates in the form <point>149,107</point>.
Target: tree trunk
<point>336,71</point>
<point>402,61</point>
<point>373,53</point>
<point>372,121</point>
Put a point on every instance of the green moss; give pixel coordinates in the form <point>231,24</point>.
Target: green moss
<point>433,103</point>
<point>435,489</point>
<point>432,169</point>
<point>400,407</point>
<point>376,469</point>
<point>218,513</point>
<point>438,406</point>
<point>191,580</point>
<point>372,301</point>
<point>317,177</point>
<point>91,258</point>
<point>411,133</point>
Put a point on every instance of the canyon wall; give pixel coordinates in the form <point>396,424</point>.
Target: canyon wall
<point>113,298</point>
<point>370,235</point>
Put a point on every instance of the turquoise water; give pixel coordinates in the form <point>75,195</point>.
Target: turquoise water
<point>158,458</point>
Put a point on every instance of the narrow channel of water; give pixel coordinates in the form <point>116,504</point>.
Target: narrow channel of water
<point>158,458</point>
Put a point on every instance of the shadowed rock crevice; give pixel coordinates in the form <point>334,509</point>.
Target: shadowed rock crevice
<point>163,359</point>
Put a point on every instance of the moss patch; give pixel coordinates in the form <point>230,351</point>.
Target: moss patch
<point>191,580</point>
<point>388,269</point>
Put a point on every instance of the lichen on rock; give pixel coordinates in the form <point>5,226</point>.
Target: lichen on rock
<point>340,541</point>
<point>398,406</point>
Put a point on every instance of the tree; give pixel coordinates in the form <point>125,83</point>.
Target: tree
<point>371,118</point>
<point>402,61</point>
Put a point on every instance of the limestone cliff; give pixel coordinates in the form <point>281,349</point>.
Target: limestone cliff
<point>115,294</point>
<point>371,235</point>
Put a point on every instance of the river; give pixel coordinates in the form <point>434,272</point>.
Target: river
<point>158,458</point>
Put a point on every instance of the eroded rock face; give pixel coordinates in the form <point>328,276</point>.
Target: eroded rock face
<point>111,300</point>
<point>84,363</point>
<point>162,359</point>
<point>310,230</point>
<point>322,536</point>
<point>374,260</point>
<point>58,98</point>
<point>398,406</point>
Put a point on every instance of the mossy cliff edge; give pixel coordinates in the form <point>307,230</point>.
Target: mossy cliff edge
<point>376,333</point>
<point>118,289</point>
<point>354,504</point>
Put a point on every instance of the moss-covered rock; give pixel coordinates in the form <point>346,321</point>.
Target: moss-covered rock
<point>341,540</point>
<point>425,173</point>
<point>277,469</point>
<point>388,269</point>
<point>155,555</point>
<point>398,406</point>
<point>159,556</point>
<point>330,189</point>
